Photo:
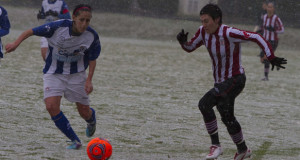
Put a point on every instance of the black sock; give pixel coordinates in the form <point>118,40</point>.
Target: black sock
<point>242,147</point>
<point>215,139</point>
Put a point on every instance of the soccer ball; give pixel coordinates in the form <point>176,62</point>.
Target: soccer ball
<point>99,149</point>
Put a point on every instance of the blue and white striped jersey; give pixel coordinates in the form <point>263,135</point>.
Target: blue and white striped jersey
<point>58,6</point>
<point>68,54</point>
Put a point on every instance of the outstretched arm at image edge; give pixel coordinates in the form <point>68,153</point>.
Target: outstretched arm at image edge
<point>10,47</point>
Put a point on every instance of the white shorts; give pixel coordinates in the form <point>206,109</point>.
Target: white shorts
<point>44,42</point>
<point>71,86</point>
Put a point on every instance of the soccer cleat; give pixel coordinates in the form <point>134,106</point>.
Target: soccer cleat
<point>90,129</point>
<point>75,145</point>
<point>244,155</point>
<point>215,152</point>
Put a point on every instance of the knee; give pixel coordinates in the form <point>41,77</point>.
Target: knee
<point>232,124</point>
<point>52,108</point>
<point>84,111</point>
<point>206,104</point>
<point>201,106</point>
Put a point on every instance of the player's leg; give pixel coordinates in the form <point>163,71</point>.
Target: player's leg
<point>53,90</point>
<point>206,104</point>
<point>88,114</point>
<point>75,92</point>
<point>266,63</point>
<point>226,108</point>
<point>266,70</point>
<point>233,126</point>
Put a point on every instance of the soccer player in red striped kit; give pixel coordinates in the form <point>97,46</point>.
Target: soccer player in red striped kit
<point>272,26</point>
<point>224,48</point>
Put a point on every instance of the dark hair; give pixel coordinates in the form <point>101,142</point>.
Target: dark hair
<point>212,10</point>
<point>81,7</point>
<point>272,2</point>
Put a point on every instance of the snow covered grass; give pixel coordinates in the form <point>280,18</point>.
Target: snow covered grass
<point>146,94</point>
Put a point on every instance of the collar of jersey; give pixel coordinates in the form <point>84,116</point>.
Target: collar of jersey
<point>217,31</point>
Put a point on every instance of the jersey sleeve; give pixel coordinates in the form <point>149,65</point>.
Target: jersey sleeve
<point>279,26</point>
<point>64,13</point>
<point>47,30</point>
<point>4,23</point>
<point>238,36</point>
<point>194,43</point>
<point>95,48</point>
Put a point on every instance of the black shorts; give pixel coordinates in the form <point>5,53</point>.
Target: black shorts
<point>230,88</point>
<point>223,94</point>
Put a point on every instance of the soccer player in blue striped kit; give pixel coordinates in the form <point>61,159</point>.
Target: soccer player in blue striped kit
<point>73,47</point>
<point>52,10</point>
<point>223,45</point>
<point>4,27</point>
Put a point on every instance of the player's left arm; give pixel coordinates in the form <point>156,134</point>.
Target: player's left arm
<point>237,35</point>
<point>94,52</point>
<point>278,26</point>
<point>88,83</point>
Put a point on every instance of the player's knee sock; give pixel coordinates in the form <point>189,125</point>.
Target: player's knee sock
<point>215,139</point>
<point>238,137</point>
<point>212,129</point>
<point>267,72</point>
<point>236,134</point>
<point>92,120</point>
<point>64,126</point>
<point>241,147</point>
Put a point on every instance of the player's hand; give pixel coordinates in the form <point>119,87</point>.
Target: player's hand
<point>88,87</point>
<point>182,37</point>
<point>10,47</point>
<point>277,61</point>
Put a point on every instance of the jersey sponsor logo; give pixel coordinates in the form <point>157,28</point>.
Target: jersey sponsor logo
<point>60,41</point>
<point>64,55</point>
<point>246,35</point>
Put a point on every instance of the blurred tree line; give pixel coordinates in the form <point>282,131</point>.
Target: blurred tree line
<point>150,7</point>
<point>234,11</point>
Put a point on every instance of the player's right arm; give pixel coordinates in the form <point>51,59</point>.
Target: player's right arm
<point>193,44</point>
<point>10,47</point>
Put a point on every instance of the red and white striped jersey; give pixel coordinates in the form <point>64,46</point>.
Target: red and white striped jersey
<point>225,49</point>
<point>274,22</point>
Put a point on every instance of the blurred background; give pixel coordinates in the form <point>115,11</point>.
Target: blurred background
<point>235,11</point>
<point>163,19</point>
